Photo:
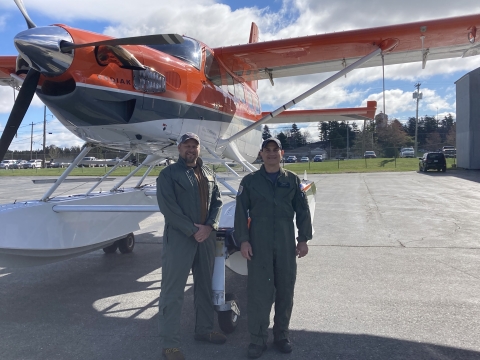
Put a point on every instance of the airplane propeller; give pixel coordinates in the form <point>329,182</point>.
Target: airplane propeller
<point>19,110</point>
<point>35,43</point>
<point>22,9</point>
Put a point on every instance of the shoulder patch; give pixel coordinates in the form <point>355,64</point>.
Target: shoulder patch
<point>240,189</point>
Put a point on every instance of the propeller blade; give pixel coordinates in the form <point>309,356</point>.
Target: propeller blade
<point>22,9</point>
<point>24,98</point>
<point>159,39</point>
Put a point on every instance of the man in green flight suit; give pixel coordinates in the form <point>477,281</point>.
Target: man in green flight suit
<point>190,201</point>
<point>271,197</point>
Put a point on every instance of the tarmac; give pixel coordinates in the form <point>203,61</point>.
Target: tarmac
<point>393,272</point>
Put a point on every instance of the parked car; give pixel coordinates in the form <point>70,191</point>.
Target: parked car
<point>318,158</point>
<point>432,160</point>
<point>57,164</point>
<point>369,155</point>
<point>304,159</point>
<point>449,151</point>
<point>291,159</point>
<point>407,153</point>
<point>19,164</point>
<point>7,164</point>
<point>33,164</point>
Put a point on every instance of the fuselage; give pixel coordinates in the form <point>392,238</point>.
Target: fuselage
<point>183,88</point>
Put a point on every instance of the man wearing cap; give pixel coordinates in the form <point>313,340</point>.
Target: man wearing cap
<point>271,197</point>
<point>190,201</point>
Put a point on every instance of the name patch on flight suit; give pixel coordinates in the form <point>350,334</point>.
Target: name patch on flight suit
<point>283,184</point>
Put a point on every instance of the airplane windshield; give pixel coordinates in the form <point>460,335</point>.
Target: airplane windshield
<point>188,51</point>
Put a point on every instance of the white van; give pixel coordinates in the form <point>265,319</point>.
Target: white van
<point>87,161</point>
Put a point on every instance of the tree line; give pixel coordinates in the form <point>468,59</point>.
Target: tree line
<point>64,153</point>
<point>385,137</point>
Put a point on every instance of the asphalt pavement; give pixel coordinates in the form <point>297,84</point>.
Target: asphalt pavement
<point>393,272</point>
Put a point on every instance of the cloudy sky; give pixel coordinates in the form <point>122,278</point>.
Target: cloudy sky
<point>228,22</point>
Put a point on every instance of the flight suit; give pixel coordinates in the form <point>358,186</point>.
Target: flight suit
<point>179,201</point>
<point>271,233</point>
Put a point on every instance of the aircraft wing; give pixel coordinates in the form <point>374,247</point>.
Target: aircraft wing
<point>7,67</point>
<point>421,41</point>
<point>304,116</point>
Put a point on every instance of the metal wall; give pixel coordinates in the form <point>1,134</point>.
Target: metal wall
<point>468,120</point>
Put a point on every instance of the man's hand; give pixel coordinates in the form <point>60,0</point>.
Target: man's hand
<point>246,250</point>
<point>203,232</point>
<point>302,249</point>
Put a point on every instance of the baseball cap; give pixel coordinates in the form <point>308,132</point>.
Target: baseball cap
<point>187,136</point>
<point>266,141</point>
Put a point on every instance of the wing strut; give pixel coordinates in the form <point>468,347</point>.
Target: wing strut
<point>67,171</point>
<point>223,142</point>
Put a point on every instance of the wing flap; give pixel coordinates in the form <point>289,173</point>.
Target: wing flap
<point>344,114</point>
<point>417,42</point>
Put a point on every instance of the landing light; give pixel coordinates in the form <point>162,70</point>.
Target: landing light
<point>472,34</point>
<point>471,37</point>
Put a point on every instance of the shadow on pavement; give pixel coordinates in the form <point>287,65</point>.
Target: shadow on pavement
<point>101,306</point>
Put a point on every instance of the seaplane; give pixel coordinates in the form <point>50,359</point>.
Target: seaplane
<point>140,94</point>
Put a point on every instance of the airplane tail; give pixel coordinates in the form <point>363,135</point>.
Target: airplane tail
<point>253,39</point>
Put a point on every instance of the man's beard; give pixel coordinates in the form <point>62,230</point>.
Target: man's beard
<point>191,158</point>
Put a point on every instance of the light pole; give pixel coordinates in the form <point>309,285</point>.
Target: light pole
<point>44,134</point>
<point>31,142</point>
<point>417,95</point>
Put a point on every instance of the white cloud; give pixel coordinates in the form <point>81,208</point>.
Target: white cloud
<point>398,101</point>
<point>6,100</point>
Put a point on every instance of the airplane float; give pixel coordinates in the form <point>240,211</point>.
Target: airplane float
<point>139,94</point>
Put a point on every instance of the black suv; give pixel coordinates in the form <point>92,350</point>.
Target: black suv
<point>433,160</point>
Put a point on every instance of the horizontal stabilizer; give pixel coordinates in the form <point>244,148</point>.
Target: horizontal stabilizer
<point>304,116</point>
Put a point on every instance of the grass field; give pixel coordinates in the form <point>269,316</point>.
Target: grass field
<point>326,167</point>
<point>360,166</point>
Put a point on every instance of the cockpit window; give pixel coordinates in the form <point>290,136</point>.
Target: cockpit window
<point>188,51</point>
<point>212,68</point>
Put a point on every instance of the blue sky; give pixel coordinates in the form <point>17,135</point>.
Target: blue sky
<point>228,22</point>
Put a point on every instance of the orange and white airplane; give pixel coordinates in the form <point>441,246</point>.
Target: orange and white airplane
<point>141,93</point>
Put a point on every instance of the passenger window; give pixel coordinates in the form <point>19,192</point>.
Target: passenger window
<point>230,85</point>
<point>256,104</point>
<point>239,92</point>
<point>248,96</point>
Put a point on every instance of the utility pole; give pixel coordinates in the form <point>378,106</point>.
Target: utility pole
<point>31,143</point>
<point>44,134</point>
<point>347,139</point>
<point>417,95</point>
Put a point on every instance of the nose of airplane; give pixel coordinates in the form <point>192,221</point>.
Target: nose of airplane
<point>40,48</point>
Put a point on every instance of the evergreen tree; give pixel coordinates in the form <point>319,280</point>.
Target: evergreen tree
<point>266,133</point>
<point>296,136</point>
<point>283,140</point>
<point>445,126</point>
<point>323,130</point>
